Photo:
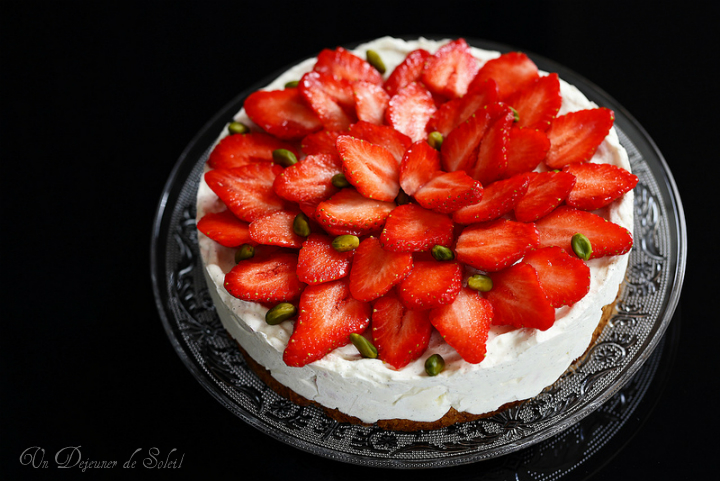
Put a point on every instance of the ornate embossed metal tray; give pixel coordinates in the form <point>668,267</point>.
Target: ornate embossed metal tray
<point>646,305</point>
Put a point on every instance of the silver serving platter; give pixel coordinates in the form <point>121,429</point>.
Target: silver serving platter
<point>648,299</point>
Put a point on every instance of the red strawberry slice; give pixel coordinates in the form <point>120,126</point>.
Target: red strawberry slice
<point>447,192</point>
<point>494,245</point>
<point>271,278</point>
<point>248,190</point>
<point>465,324</point>
<point>418,166</point>
<point>224,228</point>
<point>349,212</point>
<point>310,180</point>
<point>456,111</point>
<point>395,142</point>
<point>322,142</point>
<point>410,228</point>
<point>375,271</point>
<point>430,284</point>
<point>564,278</point>
<point>328,314</point>
<point>546,191</point>
<point>538,103</point>
<point>512,71</point>
<point>409,110</point>
<point>346,65</point>
<point>372,169</point>
<point>498,199</point>
<point>282,113</point>
<point>492,156</point>
<point>606,238</point>
<point>330,98</point>
<point>242,149</point>
<point>407,72</point>
<point>526,148</point>
<point>575,137</point>
<point>371,101</point>
<point>450,70</point>
<point>276,229</point>
<point>400,335</point>
<point>598,184</point>
<point>518,300</point>
<point>319,262</point>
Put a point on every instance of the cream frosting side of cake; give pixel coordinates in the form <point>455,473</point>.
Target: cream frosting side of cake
<point>519,364</point>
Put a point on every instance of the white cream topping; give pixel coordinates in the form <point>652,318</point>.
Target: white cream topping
<point>519,364</point>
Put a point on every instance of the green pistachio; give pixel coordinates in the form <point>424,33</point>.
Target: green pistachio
<point>344,243</point>
<point>284,157</point>
<point>292,84</point>
<point>362,344</point>
<point>279,313</point>
<point>374,59</point>
<point>516,115</point>
<point>340,181</point>
<point>238,128</point>
<point>435,139</point>
<point>442,253</point>
<point>480,283</point>
<point>301,226</point>
<point>434,365</point>
<point>246,251</point>
<point>581,246</point>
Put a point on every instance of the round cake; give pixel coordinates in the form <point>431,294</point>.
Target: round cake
<point>438,230</point>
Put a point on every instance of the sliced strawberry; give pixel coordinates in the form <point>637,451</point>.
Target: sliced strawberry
<point>464,324</point>
<point>375,271</point>
<point>382,135</point>
<point>564,278</point>
<point>606,238</point>
<point>276,229</point>
<point>418,166</point>
<point>309,180</point>
<point>248,190</point>
<point>282,113</point>
<point>456,111</point>
<point>526,148</point>
<point>372,169</point>
<point>409,111</point>
<point>430,284</point>
<point>598,184</point>
<point>512,71</point>
<point>319,262</point>
<point>330,98</point>
<point>224,228</point>
<point>492,156</point>
<point>494,245</point>
<point>344,64</point>
<point>328,314</point>
<point>498,199</point>
<point>575,137</point>
<point>447,192</point>
<point>400,335</point>
<point>450,70</point>
<point>322,142</point>
<point>349,212</point>
<point>518,300</point>
<point>410,228</point>
<point>538,103</point>
<point>271,278</point>
<point>407,72</point>
<point>371,101</point>
<point>241,149</point>
<point>546,191</point>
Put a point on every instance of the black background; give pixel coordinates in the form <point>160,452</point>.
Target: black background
<point>98,101</point>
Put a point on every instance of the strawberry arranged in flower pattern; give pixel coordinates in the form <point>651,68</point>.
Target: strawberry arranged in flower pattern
<point>456,111</point>
<point>526,148</point>
<point>450,70</point>
<point>606,238</point>
<point>597,185</point>
<point>410,110</point>
<point>270,278</point>
<point>447,192</point>
<point>276,229</point>
<point>464,324</point>
<point>575,137</point>
<point>494,245</point>
<point>375,271</point>
<point>349,212</point>
<point>430,284</point>
<point>399,334</point>
<point>384,136</point>
<point>328,314</point>
<point>241,149</point>
<point>282,113</point>
<point>565,279</point>
<point>407,72</point>
<point>321,142</point>
<point>492,160</point>
<point>498,199</point>
<point>518,299</point>
<point>545,192</point>
<point>372,169</point>
<point>309,180</point>
<point>418,166</point>
<point>410,228</point>
<point>331,98</point>
<point>319,262</point>
<point>538,103</point>
<point>371,101</point>
<point>342,63</point>
<point>224,228</point>
<point>512,71</point>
